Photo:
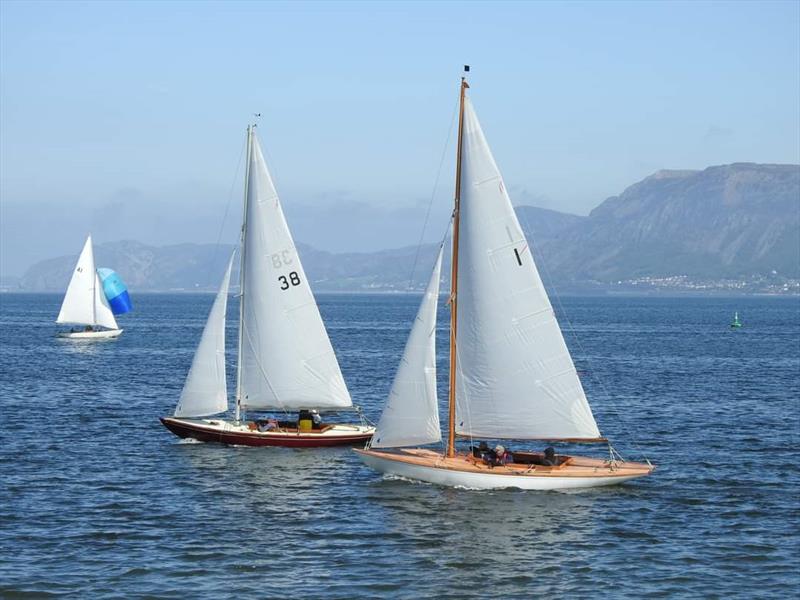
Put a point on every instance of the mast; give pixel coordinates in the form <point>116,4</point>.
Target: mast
<point>238,409</point>
<point>94,299</point>
<point>94,289</point>
<point>451,436</point>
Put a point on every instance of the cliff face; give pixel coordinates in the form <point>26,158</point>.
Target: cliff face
<point>729,221</point>
<point>726,221</point>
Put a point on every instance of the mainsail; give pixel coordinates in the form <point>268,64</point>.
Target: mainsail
<point>286,359</point>
<point>514,377</point>
<point>205,391</point>
<point>85,303</point>
<point>411,415</point>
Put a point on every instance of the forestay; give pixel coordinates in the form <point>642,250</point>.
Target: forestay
<point>515,377</point>
<point>286,360</point>
<point>205,391</point>
<point>411,415</point>
<point>84,303</point>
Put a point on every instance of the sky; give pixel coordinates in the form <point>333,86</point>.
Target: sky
<point>127,120</point>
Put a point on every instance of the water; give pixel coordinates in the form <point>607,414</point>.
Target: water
<point>98,499</point>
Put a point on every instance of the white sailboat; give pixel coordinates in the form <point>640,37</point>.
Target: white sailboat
<point>85,303</point>
<point>286,363</point>
<point>511,374</point>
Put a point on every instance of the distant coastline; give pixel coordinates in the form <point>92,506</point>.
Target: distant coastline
<point>730,229</point>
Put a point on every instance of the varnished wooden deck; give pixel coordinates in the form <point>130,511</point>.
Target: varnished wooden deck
<point>573,466</point>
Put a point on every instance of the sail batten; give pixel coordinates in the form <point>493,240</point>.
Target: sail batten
<point>411,416</point>
<point>205,391</point>
<point>286,358</point>
<point>515,377</point>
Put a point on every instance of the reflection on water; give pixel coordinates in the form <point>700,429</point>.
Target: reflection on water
<point>83,345</point>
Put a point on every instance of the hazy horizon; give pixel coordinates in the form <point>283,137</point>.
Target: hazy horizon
<point>127,119</point>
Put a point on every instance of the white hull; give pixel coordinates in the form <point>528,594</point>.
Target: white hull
<point>497,478</point>
<point>90,335</point>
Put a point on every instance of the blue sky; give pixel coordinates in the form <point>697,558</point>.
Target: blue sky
<point>128,118</point>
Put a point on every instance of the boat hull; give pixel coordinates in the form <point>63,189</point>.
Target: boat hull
<point>91,335</point>
<point>225,432</point>
<point>462,471</point>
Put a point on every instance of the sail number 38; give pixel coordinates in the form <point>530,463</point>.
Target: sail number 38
<point>287,282</point>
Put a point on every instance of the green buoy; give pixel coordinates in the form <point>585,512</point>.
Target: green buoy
<point>736,322</point>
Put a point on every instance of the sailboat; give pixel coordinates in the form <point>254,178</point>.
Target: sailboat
<point>736,322</point>
<point>511,374</point>
<point>285,361</point>
<point>85,303</point>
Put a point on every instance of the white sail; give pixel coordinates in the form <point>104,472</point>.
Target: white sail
<point>85,303</point>
<point>103,315</point>
<point>514,377</point>
<point>286,360</point>
<point>205,391</point>
<point>411,415</point>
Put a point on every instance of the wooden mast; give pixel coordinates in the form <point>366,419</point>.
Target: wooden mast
<point>451,437</point>
<point>238,409</point>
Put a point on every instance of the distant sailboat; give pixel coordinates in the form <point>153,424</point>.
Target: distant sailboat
<point>511,374</point>
<point>285,359</point>
<point>85,303</point>
<point>736,322</point>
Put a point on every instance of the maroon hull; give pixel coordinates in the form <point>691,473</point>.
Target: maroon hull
<point>202,433</point>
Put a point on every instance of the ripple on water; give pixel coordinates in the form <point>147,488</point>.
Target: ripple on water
<point>98,499</point>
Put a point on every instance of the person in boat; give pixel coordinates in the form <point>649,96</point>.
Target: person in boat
<point>88,328</point>
<point>268,425</point>
<point>549,459</point>
<point>503,455</point>
<point>479,450</point>
<point>316,419</point>
<point>496,456</point>
<point>304,420</point>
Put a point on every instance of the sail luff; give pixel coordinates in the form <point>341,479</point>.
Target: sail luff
<point>242,245</point>
<point>205,391</point>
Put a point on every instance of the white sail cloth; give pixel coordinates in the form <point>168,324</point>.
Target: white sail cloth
<point>286,360</point>
<point>205,391</point>
<point>514,376</point>
<point>85,303</point>
<point>411,415</point>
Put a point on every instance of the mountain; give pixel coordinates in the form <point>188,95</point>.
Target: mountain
<point>727,221</point>
<point>186,267</point>
<point>142,267</point>
<point>733,221</point>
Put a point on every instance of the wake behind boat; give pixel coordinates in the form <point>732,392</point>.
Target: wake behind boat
<point>92,299</point>
<point>511,374</point>
<point>285,361</point>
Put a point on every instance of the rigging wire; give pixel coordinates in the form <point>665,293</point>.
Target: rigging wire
<point>228,205</point>
<point>433,196</point>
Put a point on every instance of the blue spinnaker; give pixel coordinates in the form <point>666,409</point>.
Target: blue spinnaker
<point>116,292</point>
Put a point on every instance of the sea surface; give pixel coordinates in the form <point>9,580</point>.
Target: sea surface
<point>97,499</point>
